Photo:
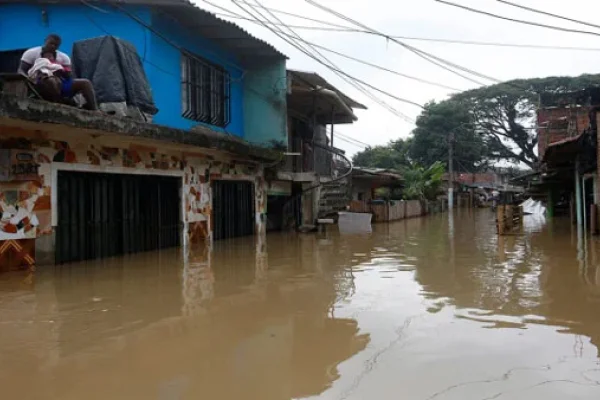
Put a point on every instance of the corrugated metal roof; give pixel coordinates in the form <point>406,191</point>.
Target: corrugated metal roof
<point>378,172</point>
<point>314,80</point>
<point>229,36</point>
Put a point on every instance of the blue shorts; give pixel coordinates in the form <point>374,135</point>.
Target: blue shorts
<point>66,87</point>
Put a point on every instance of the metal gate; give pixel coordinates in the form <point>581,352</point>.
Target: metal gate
<point>233,209</point>
<point>106,215</point>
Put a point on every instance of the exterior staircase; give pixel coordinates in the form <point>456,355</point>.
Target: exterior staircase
<point>334,197</point>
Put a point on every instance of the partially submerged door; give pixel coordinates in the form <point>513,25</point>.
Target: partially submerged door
<point>106,215</point>
<point>233,209</point>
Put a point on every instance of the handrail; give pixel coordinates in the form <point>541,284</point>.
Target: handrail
<point>331,150</point>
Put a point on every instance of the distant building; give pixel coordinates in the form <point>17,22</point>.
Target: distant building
<point>567,178</point>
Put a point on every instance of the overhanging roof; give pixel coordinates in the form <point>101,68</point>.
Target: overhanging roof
<point>312,79</point>
<point>227,35</point>
<point>313,95</point>
<point>377,174</point>
<point>564,151</point>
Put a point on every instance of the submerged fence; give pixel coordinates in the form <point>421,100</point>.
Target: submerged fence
<point>395,210</point>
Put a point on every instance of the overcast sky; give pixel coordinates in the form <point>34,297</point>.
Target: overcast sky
<point>428,18</point>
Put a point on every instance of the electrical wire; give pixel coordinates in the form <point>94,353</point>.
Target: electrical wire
<point>352,81</point>
<point>549,14</point>
<point>425,55</point>
<point>358,60</point>
<point>173,44</point>
<point>299,16</point>
<point>351,138</point>
<point>328,65</point>
<point>303,50</point>
<point>342,28</point>
<point>362,147</point>
<point>518,21</point>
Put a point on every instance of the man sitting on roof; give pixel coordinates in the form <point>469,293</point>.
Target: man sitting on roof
<point>59,86</point>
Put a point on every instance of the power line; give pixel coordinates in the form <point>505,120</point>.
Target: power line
<point>497,44</point>
<point>354,58</point>
<point>360,146</point>
<point>427,56</point>
<point>300,16</point>
<point>549,14</point>
<point>518,21</point>
<point>353,81</point>
<point>329,64</point>
<point>358,60</point>
<point>306,52</point>
<point>282,36</point>
<point>415,38</point>
<point>351,138</point>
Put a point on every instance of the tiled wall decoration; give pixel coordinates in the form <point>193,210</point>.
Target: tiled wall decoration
<point>26,206</point>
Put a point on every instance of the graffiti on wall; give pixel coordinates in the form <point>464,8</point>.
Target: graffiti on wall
<point>26,205</point>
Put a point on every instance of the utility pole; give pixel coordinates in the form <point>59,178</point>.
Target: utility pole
<point>451,171</point>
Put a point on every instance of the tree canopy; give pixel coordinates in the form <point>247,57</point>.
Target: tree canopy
<point>505,114</point>
<point>436,126</point>
<point>491,123</point>
<point>391,156</point>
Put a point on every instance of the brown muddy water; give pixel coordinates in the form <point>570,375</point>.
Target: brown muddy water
<point>420,309</point>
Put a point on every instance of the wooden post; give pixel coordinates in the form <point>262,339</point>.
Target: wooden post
<point>500,222</point>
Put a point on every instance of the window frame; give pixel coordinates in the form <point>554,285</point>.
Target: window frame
<point>205,91</point>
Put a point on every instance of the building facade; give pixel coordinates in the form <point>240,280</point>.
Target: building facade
<point>316,175</point>
<point>78,185</point>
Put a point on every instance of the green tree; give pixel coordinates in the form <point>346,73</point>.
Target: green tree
<point>431,137</point>
<point>391,156</point>
<point>423,183</point>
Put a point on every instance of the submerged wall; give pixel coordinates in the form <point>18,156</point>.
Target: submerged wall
<point>29,204</point>
<point>389,211</point>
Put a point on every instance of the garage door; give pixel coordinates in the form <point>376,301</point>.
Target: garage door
<point>106,215</point>
<point>233,208</point>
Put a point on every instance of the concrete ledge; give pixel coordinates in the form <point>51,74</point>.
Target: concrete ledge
<point>304,177</point>
<point>51,113</point>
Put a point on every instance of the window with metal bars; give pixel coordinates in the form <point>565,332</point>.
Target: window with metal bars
<point>205,91</point>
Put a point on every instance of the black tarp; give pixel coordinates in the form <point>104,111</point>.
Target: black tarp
<point>116,71</point>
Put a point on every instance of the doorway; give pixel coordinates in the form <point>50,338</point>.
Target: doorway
<point>106,215</point>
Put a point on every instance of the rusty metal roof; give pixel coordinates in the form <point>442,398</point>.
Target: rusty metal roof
<point>227,35</point>
<point>563,151</point>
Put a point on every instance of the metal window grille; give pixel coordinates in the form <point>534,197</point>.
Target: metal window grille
<point>205,91</point>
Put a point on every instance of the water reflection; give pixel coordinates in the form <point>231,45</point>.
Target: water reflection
<point>211,324</point>
<point>538,273</point>
<point>430,308</point>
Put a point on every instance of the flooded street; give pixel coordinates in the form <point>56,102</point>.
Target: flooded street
<point>420,309</point>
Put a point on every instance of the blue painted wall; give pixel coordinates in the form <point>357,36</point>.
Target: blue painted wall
<point>165,59</point>
<point>23,26</point>
<point>258,97</point>
<point>265,105</point>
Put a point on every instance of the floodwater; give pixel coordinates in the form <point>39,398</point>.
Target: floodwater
<point>422,309</point>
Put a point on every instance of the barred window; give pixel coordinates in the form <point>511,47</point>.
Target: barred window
<point>205,91</point>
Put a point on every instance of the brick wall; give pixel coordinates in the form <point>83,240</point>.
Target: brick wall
<point>478,178</point>
<point>558,131</point>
